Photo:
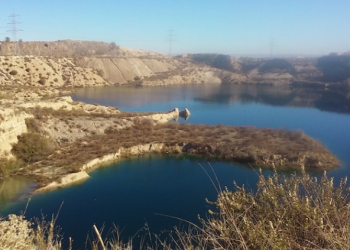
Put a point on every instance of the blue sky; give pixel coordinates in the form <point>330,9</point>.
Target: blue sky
<point>238,27</point>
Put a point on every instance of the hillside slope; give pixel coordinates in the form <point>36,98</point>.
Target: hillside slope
<point>88,63</point>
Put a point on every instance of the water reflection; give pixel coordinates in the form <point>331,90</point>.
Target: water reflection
<point>132,98</point>
<point>15,188</point>
<point>185,114</point>
<point>293,96</point>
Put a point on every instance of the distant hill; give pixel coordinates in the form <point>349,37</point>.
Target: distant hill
<point>72,48</point>
<point>119,65</point>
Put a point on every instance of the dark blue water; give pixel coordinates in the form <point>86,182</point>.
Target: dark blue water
<point>158,190</point>
<point>142,190</point>
<point>322,114</point>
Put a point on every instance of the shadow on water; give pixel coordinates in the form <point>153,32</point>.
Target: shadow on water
<point>15,188</point>
<point>150,190</point>
<point>333,100</point>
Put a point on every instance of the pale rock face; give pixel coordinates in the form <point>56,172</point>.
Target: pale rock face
<point>12,124</point>
<point>81,175</point>
<point>123,70</point>
<point>56,104</point>
<point>163,117</point>
<point>65,180</point>
<point>185,114</point>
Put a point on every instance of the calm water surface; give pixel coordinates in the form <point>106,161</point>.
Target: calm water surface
<point>143,189</point>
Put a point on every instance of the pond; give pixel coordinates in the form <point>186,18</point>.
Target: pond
<point>155,190</point>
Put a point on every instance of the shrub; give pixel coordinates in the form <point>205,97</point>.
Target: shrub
<point>100,72</point>
<point>42,81</point>
<point>19,233</point>
<point>32,147</point>
<point>13,72</point>
<point>296,212</point>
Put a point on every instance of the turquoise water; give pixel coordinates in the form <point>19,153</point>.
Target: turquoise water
<point>152,189</point>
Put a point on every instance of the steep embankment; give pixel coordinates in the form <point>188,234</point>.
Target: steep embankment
<point>12,124</point>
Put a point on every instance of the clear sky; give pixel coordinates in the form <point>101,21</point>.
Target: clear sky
<point>238,27</point>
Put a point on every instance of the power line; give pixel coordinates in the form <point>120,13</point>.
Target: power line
<point>170,39</point>
<point>271,48</point>
<point>14,29</point>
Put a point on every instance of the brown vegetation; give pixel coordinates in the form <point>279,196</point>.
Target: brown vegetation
<point>248,145</point>
<point>294,212</point>
<point>32,147</point>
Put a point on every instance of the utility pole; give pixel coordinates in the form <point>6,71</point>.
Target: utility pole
<point>170,39</point>
<point>14,29</point>
<point>271,48</point>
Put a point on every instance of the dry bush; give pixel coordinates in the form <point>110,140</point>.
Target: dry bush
<point>295,212</point>
<point>32,147</point>
<point>33,125</point>
<point>285,212</point>
<point>18,233</point>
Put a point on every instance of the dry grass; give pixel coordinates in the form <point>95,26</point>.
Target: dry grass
<point>295,212</point>
<point>248,145</point>
<point>18,233</point>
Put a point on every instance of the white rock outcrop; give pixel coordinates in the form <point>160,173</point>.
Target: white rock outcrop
<point>12,124</point>
<point>65,180</point>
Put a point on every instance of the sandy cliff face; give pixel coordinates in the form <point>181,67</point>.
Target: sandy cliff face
<point>12,124</point>
<point>124,70</point>
<point>46,72</point>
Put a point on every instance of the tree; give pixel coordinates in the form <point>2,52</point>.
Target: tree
<point>7,39</point>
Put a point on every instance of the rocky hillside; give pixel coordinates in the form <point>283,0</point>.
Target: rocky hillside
<point>259,70</point>
<point>66,64</point>
<point>331,69</point>
<point>81,63</point>
<point>71,48</point>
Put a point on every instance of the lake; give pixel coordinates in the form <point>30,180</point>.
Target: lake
<point>154,190</point>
